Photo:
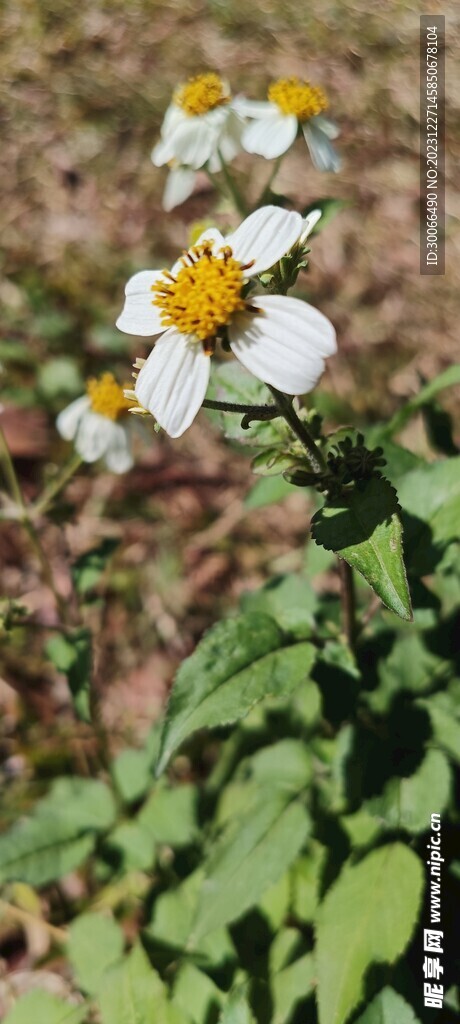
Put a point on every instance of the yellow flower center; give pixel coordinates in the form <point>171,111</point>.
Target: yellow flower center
<point>107,396</point>
<point>204,294</point>
<point>293,96</point>
<point>201,94</point>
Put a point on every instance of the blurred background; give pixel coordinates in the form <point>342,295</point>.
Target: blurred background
<point>85,87</point>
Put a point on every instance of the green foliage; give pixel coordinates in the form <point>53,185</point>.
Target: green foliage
<point>367,917</point>
<point>386,1008</point>
<point>95,943</point>
<point>251,855</point>
<point>236,665</point>
<point>44,1008</point>
<point>364,528</point>
<point>71,653</point>
<point>88,568</point>
<point>59,835</point>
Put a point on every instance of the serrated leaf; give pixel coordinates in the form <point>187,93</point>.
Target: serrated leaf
<point>59,835</point>
<point>250,856</point>
<point>364,528</point>
<point>96,942</point>
<point>408,802</point>
<point>368,916</point>
<point>387,1008</point>
<point>133,993</point>
<point>238,663</point>
<point>43,1008</point>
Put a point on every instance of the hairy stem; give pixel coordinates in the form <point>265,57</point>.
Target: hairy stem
<point>348,601</point>
<point>286,409</point>
<point>259,412</point>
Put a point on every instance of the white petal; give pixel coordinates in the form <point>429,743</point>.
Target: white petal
<point>265,236</point>
<point>118,457</point>
<point>173,117</point>
<point>68,420</point>
<point>179,186</point>
<point>173,381</point>
<point>309,223</point>
<point>270,136</point>
<point>322,153</point>
<point>162,153</point>
<point>93,436</point>
<point>328,127</point>
<point>193,141</point>
<point>139,316</point>
<point>253,108</point>
<point>286,345</point>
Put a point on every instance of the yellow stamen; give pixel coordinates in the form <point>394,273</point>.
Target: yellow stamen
<point>201,94</point>
<point>107,396</point>
<point>293,96</point>
<point>205,293</point>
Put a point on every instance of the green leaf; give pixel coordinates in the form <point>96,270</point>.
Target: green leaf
<point>408,802</point>
<point>368,916</point>
<point>95,943</point>
<point>286,764</point>
<point>364,528</point>
<point>237,664</point>
<point>268,491</point>
<point>410,667</point>
<point>43,1008</point>
<point>237,1009</point>
<point>134,845</point>
<point>196,994</point>
<point>133,993</point>
<point>443,713</point>
<point>171,925</point>
<point>71,654</point>
<point>290,600</point>
<point>432,494</point>
<point>170,815</point>
<point>290,986</point>
<point>131,774</point>
<point>230,382</point>
<point>387,1008</point>
<point>249,857</point>
<point>305,877</point>
<point>89,567</point>
<point>59,835</point>
<point>447,379</point>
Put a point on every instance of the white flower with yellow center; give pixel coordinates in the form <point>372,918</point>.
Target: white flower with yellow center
<point>201,127</point>
<point>281,340</point>
<point>97,423</point>
<point>292,105</point>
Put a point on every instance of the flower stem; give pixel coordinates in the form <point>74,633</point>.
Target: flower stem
<point>314,455</point>
<point>9,472</point>
<point>348,601</point>
<point>238,199</point>
<point>56,485</point>
<point>267,187</point>
<point>257,412</point>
